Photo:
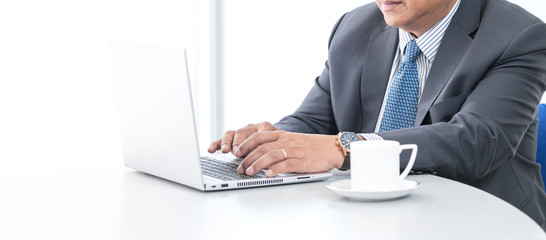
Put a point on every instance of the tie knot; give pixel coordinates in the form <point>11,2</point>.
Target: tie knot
<point>412,51</point>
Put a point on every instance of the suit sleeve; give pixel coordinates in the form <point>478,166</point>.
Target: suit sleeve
<point>315,114</point>
<point>492,121</point>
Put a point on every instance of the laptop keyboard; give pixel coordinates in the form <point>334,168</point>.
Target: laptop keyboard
<point>224,170</point>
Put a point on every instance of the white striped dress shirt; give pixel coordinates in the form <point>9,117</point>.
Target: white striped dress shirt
<point>428,43</point>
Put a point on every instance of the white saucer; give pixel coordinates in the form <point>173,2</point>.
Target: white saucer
<point>343,188</point>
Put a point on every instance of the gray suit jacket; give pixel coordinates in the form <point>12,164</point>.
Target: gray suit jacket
<point>476,120</point>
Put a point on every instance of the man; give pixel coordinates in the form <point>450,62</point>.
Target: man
<point>462,79</point>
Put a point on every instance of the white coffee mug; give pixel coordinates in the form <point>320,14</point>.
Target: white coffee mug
<point>375,165</point>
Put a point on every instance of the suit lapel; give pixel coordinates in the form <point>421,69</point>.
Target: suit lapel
<point>375,74</point>
<point>452,48</point>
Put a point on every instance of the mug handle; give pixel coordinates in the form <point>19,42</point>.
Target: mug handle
<point>413,148</point>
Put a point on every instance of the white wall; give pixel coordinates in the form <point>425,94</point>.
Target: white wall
<point>273,52</point>
<point>55,108</point>
<point>56,104</point>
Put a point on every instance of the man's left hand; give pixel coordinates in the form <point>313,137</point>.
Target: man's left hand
<point>286,152</point>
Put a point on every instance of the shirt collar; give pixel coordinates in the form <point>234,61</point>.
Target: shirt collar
<point>430,40</point>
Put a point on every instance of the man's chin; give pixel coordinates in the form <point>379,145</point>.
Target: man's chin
<point>393,22</point>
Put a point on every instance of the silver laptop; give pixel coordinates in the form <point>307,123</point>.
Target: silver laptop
<point>158,130</point>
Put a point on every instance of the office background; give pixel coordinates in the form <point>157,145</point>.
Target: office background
<point>249,61</point>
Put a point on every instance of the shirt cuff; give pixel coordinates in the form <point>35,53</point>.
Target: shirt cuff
<point>371,137</point>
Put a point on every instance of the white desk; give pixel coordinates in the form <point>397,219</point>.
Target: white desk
<point>118,203</point>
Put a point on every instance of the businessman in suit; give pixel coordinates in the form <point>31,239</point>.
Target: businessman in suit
<point>471,74</point>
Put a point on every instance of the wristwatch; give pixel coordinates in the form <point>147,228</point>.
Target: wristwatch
<point>343,142</point>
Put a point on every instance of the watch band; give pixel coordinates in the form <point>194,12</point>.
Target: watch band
<point>346,163</point>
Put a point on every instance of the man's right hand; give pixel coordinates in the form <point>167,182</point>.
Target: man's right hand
<point>232,139</point>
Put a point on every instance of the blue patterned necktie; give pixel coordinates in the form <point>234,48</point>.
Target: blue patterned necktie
<point>401,106</point>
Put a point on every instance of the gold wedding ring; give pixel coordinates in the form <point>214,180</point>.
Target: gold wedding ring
<point>285,155</point>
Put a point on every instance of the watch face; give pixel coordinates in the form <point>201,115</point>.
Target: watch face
<point>346,138</point>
